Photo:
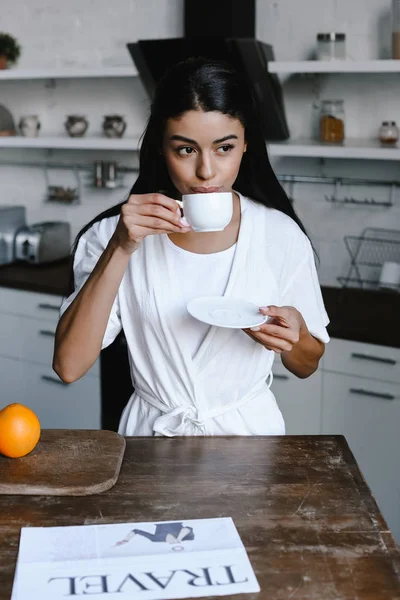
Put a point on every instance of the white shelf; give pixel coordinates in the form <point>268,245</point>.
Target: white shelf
<point>337,66</point>
<point>359,149</point>
<point>71,73</point>
<point>69,143</point>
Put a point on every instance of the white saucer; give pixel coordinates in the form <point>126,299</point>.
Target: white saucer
<point>226,312</point>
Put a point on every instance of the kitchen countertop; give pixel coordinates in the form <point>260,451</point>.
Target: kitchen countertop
<point>369,316</point>
<point>360,315</point>
<point>303,510</point>
<point>51,278</point>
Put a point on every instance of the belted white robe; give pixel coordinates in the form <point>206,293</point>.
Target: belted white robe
<point>224,389</point>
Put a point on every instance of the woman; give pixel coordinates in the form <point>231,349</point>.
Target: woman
<point>138,264</point>
<point>172,533</point>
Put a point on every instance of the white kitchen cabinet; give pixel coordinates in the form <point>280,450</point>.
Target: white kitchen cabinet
<point>27,326</point>
<point>367,413</point>
<point>30,304</point>
<point>355,393</point>
<point>30,339</point>
<point>361,400</point>
<point>12,387</point>
<point>298,399</point>
<point>60,405</point>
<point>365,360</point>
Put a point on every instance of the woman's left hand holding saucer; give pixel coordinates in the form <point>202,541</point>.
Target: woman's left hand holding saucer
<point>282,330</point>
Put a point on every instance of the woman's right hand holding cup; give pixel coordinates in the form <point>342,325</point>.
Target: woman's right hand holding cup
<point>147,214</point>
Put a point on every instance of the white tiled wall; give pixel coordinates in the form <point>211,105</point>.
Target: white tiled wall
<point>94,33</point>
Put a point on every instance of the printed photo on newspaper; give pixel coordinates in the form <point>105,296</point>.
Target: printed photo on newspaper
<point>168,559</point>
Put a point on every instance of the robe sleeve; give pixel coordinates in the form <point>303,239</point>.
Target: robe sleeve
<point>90,247</point>
<point>302,289</point>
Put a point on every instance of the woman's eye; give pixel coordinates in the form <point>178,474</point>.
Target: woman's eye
<point>185,151</point>
<point>225,149</point>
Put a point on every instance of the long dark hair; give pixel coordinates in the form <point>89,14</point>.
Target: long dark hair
<point>201,83</point>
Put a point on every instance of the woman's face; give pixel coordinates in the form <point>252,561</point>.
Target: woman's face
<point>203,151</point>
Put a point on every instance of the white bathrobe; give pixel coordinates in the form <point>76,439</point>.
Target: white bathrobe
<point>224,389</point>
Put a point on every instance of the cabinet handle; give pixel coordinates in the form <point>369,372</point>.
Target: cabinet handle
<point>283,377</point>
<point>362,392</point>
<point>45,306</point>
<point>47,332</point>
<point>51,379</point>
<point>386,361</point>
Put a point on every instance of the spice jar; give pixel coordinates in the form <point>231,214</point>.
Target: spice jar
<point>388,133</point>
<point>331,46</point>
<point>331,124</point>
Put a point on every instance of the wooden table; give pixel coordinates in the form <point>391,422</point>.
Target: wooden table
<point>306,516</point>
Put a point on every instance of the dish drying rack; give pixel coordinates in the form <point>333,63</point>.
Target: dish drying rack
<point>368,252</point>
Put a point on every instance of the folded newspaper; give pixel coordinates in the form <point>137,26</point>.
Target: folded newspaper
<point>168,559</point>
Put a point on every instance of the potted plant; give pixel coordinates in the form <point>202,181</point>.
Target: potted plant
<point>10,50</point>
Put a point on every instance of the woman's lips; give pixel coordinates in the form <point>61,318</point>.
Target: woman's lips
<point>205,190</point>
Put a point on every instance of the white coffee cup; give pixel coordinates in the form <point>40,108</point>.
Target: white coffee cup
<point>390,276</point>
<point>207,212</point>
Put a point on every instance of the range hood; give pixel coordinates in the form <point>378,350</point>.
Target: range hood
<point>219,29</point>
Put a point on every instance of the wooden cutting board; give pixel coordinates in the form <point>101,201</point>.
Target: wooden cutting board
<point>65,462</point>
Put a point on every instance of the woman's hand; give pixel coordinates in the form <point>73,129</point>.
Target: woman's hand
<point>147,214</point>
<point>281,332</point>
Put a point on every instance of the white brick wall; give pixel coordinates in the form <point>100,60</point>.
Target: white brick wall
<point>87,32</point>
<point>94,33</point>
<point>77,33</point>
<point>291,27</point>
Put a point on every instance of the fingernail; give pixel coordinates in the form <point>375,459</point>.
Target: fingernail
<point>255,328</point>
<point>184,223</point>
<point>264,307</point>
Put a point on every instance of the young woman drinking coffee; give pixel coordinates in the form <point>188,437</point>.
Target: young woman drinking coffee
<point>137,265</point>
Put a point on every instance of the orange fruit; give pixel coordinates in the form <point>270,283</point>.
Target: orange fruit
<point>19,430</point>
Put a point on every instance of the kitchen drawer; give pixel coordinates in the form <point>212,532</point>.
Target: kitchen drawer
<point>367,413</point>
<point>63,406</point>
<point>363,360</point>
<point>279,367</point>
<point>298,399</point>
<point>30,340</point>
<point>30,304</point>
<point>58,405</point>
<point>12,388</point>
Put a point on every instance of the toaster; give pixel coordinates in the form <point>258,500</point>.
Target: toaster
<point>43,242</point>
<point>12,219</point>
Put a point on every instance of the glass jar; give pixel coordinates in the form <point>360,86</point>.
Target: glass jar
<point>388,133</point>
<point>395,28</point>
<point>331,46</point>
<point>331,122</point>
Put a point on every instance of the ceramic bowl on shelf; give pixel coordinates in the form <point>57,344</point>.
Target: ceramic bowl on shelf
<point>76,125</point>
<point>114,126</point>
<point>29,125</point>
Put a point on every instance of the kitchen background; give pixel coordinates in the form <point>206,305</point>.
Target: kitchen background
<point>358,398</point>
<point>90,35</point>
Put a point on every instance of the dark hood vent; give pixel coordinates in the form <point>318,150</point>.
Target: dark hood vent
<point>219,29</point>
